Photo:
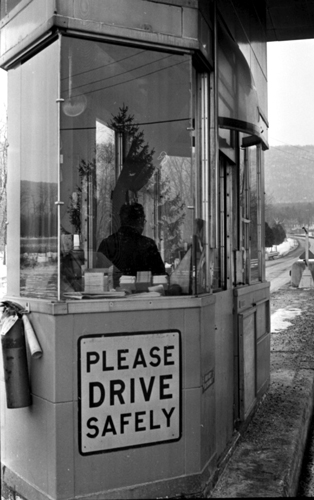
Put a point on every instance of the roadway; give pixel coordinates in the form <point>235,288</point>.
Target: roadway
<point>278,270</point>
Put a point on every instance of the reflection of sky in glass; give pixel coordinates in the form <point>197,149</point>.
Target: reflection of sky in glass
<point>151,84</point>
<point>104,134</point>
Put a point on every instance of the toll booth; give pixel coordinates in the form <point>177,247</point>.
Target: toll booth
<point>145,380</point>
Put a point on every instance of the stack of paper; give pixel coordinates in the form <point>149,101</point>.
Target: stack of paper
<point>127,282</point>
<point>95,281</point>
<point>143,281</point>
<point>161,280</point>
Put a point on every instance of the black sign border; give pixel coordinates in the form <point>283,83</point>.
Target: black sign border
<point>79,399</point>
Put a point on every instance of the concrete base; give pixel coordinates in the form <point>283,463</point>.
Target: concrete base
<point>196,484</point>
<point>298,269</point>
<point>306,280</point>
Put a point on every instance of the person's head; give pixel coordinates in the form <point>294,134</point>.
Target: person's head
<point>133,215</point>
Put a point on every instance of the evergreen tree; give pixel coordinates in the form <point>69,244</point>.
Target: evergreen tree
<point>269,237</point>
<point>279,234</point>
<point>137,162</point>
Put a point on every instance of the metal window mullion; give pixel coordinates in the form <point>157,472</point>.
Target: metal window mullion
<point>247,214</point>
<point>222,227</point>
<point>58,203</point>
<point>259,209</point>
<point>214,151</point>
<point>205,165</point>
<point>228,234</point>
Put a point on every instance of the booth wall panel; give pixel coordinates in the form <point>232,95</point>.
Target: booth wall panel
<point>261,320</point>
<point>190,21</point>
<point>120,469</point>
<point>224,369</point>
<point>63,481</point>
<point>134,14</point>
<point>191,341</point>
<point>207,344</point>
<point>252,307</point>
<point>50,379</point>
<point>192,430</point>
<point>25,23</point>
<point>263,363</point>
<point>179,3</point>
<point>30,447</point>
<point>50,427</point>
<point>248,27</point>
<point>247,361</point>
<point>208,406</point>
<point>208,425</point>
<point>260,80</point>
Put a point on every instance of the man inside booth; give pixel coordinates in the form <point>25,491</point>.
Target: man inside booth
<point>128,250</point>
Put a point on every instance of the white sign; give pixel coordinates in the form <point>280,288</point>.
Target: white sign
<point>129,390</point>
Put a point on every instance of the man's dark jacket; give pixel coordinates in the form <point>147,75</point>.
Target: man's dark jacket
<point>131,252</point>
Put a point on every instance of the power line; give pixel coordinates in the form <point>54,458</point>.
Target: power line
<point>104,65</point>
<point>291,146</point>
<point>292,154</point>
<point>132,79</point>
<point>120,74</point>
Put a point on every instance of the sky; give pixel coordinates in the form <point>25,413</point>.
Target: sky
<point>290,69</point>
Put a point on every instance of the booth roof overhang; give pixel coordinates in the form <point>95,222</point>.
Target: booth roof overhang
<point>286,20</point>
<point>289,20</point>
<point>238,107</point>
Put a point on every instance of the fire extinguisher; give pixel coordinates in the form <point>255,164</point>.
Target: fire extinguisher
<point>16,377</point>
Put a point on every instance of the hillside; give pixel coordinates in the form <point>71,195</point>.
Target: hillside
<point>289,174</point>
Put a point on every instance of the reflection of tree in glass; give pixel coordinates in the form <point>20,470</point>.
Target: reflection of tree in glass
<point>96,179</point>
<point>105,159</point>
<point>172,218</point>
<point>176,172</point>
<point>86,170</point>
<point>137,162</point>
<point>174,223</point>
<point>37,215</point>
<point>74,210</point>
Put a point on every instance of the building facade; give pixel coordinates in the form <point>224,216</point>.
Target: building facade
<point>114,103</point>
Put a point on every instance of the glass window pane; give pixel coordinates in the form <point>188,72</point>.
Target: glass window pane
<point>244,211</point>
<point>39,132</point>
<point>124,140</point>
<point>7,5</point>
<point>249,209</point>
<point>253,214</point>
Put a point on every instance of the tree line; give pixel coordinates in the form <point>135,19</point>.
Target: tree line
<point>290,215</point>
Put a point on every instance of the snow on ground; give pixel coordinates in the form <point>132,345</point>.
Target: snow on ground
<point>285,247</point>
<point>280,318</point>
